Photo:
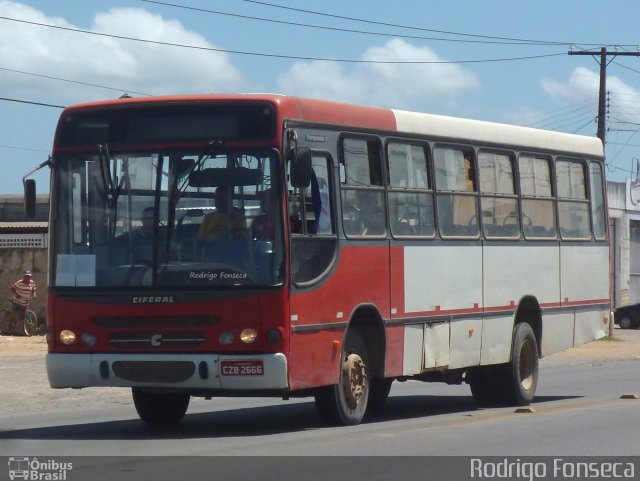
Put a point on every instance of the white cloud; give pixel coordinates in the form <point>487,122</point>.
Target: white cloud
<point>584,84</point>
<point>142,67</point>
<point>390,85</point>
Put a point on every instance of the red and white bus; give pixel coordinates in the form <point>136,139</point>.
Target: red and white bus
<point>265,245</point>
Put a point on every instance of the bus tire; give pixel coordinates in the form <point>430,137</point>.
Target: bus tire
<point>345,403</point>
<point>160,408</point>
<point>486,385</point>
<point>378,393</point>
<point>522,379</point>
<point>513,383</point>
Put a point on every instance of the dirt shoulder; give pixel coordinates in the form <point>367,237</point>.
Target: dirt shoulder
<point>624,345</point>
<point>22,346</point>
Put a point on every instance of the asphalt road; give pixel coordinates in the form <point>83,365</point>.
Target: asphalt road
<point>578,412</point>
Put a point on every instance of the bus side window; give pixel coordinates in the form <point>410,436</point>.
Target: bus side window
<point>410,195</point>
<point>537,204</point>
<point>456,199</point>
<point>598,211</point>
<point>573,205</point>
<point>498,201</point>
<point>361,182</point>
<point>310,208</point>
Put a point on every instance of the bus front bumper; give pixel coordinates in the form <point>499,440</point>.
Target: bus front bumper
<point>179,371</point>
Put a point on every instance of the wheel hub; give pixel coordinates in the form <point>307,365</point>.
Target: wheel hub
<point>527,365</point>
<point>354,380</point>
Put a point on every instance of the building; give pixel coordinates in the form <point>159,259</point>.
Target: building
<point>23,246</point>
<point>624,226</point>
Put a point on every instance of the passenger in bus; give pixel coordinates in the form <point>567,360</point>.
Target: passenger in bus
<point>262,227</point>
<point>226,222</point>
<point>136,245</point>
<point>145,232</point>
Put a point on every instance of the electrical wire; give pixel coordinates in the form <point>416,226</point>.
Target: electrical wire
<point>27,149</point>
<point>498,40</point>
<point>72,81</point>
<point>409,27</point>
<point>32,103</point>
<point>290,57</point>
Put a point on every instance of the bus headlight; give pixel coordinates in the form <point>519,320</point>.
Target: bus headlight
<point>248,335</point>
<point>67,337</point>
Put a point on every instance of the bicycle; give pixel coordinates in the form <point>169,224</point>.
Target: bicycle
<point>27,325</point>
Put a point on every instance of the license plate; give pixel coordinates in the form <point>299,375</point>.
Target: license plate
<point>242,368</point>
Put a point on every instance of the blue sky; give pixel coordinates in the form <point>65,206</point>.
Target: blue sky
<point>554,91</point>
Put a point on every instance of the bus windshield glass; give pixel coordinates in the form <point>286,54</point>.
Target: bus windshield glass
<point>168,219</point>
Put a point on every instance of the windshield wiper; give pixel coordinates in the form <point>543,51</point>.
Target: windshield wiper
<point>104,159</point>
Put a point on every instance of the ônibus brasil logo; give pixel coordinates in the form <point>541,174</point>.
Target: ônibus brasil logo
<point>36,470</point>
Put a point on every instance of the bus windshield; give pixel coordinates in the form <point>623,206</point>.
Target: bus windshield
<point>167,219</point>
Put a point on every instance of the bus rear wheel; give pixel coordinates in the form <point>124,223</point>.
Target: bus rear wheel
<point>513,383</point>
<point>345,403</point>
<point>523,380</point>
<point>160,408</point>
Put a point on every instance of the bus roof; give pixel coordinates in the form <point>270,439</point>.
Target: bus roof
<point>437,127</point>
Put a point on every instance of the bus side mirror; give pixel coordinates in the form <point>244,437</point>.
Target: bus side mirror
<point>300,167</point>
<point>29,199</point>
<point>30,191</point>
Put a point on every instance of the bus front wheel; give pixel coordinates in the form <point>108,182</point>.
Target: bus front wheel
<point>160,408</point>
<point>345,403</point>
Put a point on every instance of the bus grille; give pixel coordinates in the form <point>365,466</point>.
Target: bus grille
<point>141,340</point>
<point>151,322</point>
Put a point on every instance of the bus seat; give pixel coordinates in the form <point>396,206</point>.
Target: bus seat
<point>230,252</point>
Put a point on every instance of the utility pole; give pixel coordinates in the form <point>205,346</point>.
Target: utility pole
<point>602,98</point>
<point>602,110</point>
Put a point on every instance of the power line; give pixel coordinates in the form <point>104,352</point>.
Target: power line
<point>270,55</point>
<point>409,27</point>
<point>625,67</point>
<point>625,144</point>
<point>72,81</point>
<point>14,147</point>
<point>32,103</point>
<point>558,114</point>
<point>363,32</point>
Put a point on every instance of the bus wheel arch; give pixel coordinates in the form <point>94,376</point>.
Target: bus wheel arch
<point>514,382</point>
<point>529,311</point>
<point>369,323</point>
<point>361,380</point>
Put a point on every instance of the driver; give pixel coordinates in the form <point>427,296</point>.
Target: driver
<point>145,232</point>
<point>226,222</point>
